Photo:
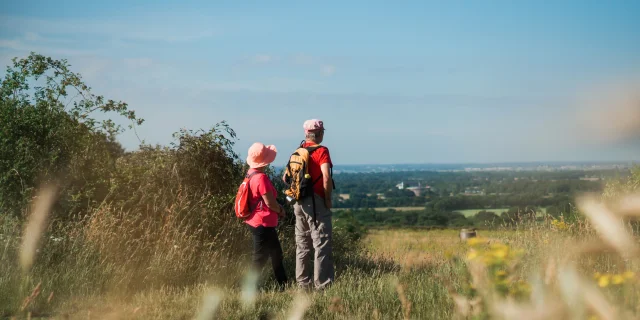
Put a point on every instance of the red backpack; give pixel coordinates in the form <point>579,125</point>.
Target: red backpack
<point>241,205</point>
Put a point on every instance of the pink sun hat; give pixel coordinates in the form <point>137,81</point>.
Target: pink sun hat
<point>261,155</point>
<point>313,125</point>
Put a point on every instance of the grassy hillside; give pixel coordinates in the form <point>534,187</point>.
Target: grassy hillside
<point>88,231</point>
<point>397,274</point>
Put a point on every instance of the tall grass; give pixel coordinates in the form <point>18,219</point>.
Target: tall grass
<point>174,253</point>
<point>178,246</point>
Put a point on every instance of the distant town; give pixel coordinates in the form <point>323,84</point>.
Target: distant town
<point>489,167</point>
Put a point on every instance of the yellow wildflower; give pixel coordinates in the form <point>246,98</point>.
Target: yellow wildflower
<point>629,275</point>
<point>500,253</point>
<point>476,241</point>
<point>472,255</point>
<point>604,281</point>
<point>559,224</point>
<point>499,246</point>
<point>597,275</point>
<point>501,273</point>
<point>488,260</point>
<point>617,279</point>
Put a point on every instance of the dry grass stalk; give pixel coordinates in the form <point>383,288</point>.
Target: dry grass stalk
<point>336,305</point>
<point>249,289</point>
<point>210,303</point>
<point>597,302</point>
<point>630,205</point>
<point>609,226</point>
<point>34,294</point>
<point>550,272</point>
<point>299,308</point>
<point>512,310</point>
<point>406,304</point>
<point>480,280</point>
<point>376,314</point>
<point>466,307</point>
<point>36,225</point>
<point>580,295</point>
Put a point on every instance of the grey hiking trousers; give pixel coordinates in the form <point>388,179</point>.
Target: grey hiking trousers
<point>309,235</point>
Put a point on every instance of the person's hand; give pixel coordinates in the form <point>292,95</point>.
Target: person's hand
<point>328,203</point>
<point>281,213</point>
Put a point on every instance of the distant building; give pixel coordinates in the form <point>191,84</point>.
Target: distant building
<point>475,191</point>
<point>419,189</point>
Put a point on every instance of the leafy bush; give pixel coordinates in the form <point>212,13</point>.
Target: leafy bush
<point>49,133</point>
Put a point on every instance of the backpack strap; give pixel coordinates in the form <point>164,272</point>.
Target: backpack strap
<point>315,214</point>
<point>248,177</point>
<point>313,148</point>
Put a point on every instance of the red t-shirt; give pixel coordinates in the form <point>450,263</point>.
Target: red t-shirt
<point>318,158</point>
<point>259,185</point>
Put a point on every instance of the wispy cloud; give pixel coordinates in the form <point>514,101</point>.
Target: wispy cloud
<point>328,70</point>
<point>11,44</point>
<point>262,59</point>
<point>144,29</point>
<point>298,61</point>
<point>27,44</point>
<point>138,62</point>
<point>32,36</point>
<point>303,59</point>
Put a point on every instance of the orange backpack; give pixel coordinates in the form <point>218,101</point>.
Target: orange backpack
<point>241,204</point>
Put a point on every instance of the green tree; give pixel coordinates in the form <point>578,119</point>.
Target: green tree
<point>484,217</point>
<point>48,117</point>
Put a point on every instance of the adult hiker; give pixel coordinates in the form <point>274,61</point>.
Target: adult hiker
<point>264,211</point>
<point>309,177</point>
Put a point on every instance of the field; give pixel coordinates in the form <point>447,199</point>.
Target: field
<point>472,212</point>
<point>407,274</point>
<point>401,209</point>
<point>406,264</point>
<point>388,208</point>
<point>467,213</point>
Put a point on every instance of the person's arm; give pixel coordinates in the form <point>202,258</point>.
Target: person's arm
<point>271,202</point>
<point>326,182</point>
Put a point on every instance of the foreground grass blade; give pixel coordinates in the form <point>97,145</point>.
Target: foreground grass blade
<point>609,226</point>
<point>210,303</point>
<point>36,225</point>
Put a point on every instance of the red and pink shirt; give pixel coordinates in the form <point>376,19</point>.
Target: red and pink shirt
<point>318,158</point>
<point>259,185</point>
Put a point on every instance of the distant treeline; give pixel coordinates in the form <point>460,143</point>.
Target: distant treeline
<point>449,191</point>
<point>431,218</point>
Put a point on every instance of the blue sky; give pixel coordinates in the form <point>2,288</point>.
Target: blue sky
<point>413,82</point>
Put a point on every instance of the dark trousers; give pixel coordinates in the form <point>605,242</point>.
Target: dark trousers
<point>265,245</point>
